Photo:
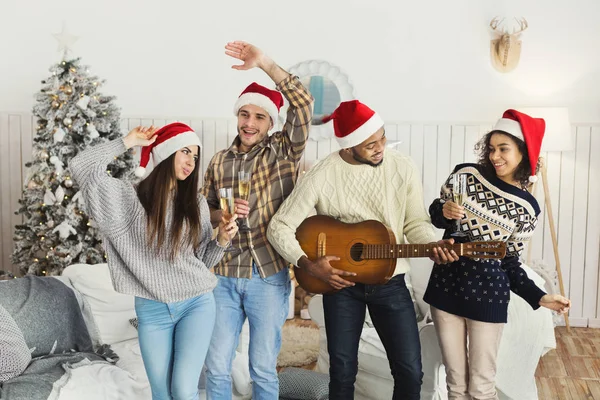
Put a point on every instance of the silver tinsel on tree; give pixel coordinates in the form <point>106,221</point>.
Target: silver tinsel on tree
<point>71,115</point>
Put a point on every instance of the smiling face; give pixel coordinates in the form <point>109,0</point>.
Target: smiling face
<point>185,162</point>
<point>505,156</point>
<point>253,124</point>
<point>370,151</point>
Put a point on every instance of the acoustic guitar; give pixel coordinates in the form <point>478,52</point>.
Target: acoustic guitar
<point>369,249</point>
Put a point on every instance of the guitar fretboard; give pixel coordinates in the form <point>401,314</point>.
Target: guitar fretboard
<point>378,251</point>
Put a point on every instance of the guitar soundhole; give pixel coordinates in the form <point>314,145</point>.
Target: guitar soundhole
<point>356,251</point>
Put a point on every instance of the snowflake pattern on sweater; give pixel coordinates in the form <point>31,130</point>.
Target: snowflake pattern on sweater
<point>479,289</point>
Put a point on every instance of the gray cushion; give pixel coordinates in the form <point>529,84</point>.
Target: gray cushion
<point>303,384</point>
<point>14,353</point>
<point>47,313</point>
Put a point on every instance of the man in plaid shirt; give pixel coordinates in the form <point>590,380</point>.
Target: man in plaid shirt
<point>253,279</point>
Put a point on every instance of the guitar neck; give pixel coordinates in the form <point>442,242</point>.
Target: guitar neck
<point>379,251</point>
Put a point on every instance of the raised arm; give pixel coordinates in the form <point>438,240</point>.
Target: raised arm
<point>292,139</point>
<point>109,201</point>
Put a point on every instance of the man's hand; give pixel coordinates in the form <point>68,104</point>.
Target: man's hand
<point>322,270</point>
<point>253,57</point>
<point>242,208</point>
<point>442,255</point>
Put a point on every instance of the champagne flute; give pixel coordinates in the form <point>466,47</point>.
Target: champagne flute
<point>244,192</point>
<point>227,204</point>
<point>459,189</point>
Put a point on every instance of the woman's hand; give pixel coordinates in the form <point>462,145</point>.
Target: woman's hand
<point>451,210</point>
<point>556,302</point>
<point>140,136</point>
<point>227,230</point>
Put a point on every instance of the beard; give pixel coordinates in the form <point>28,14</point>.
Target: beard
<point>364,160</point>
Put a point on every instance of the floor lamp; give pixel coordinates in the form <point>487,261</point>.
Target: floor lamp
<point>558,137</point>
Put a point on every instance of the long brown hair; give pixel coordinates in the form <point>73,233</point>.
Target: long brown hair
<point>155,195</point>
<point>523,170</point>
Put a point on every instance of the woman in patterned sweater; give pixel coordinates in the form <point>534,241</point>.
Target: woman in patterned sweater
<point>470,296</point>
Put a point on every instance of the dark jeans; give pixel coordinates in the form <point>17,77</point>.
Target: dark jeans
<point>393,316</point>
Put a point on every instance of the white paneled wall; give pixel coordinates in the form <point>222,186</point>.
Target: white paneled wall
<point>573,184</point>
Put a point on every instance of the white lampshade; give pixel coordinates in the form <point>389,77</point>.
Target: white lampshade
<point>558,135</point>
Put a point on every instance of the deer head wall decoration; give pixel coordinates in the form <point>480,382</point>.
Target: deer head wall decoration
<point>505,48</point>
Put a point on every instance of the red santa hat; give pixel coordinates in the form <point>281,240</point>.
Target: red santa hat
<point>353,123</point>
<point>258,95</point>
<point>169,139</point>
<point>528,129</point>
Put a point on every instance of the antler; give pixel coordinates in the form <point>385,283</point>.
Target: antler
<point>522,23</point>
<point>494,23</point>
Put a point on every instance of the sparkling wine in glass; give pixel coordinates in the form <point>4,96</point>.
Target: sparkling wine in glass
<point>227,204</point>
<point>459,189</point>
<point>244,193</point>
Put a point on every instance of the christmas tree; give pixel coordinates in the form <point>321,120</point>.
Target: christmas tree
<point>71,115</point>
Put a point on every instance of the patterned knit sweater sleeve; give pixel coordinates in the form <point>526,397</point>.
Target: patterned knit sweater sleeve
<point>110,202</point>
<point>519,281</point>
<point>212,253</point>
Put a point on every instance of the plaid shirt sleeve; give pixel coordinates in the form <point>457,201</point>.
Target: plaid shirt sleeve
<point>294,134</point>
<point>208,189</point>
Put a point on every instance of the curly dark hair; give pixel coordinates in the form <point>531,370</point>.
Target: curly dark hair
<point>523,170</point>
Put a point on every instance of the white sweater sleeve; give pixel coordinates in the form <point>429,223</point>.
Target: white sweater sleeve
<point>282,228</point>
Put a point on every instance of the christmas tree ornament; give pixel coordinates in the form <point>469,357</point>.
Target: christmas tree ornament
<point>91,128</point>
<point>83,102</point>
<point>55,104</point>
<point>64,230</point>
<point>44,155</point>
<point>58,165</point>
<point>67,121</point>
<point>65,41</point>
<point>59,135</point>
<point>68,182</point>
<point>68,89</point>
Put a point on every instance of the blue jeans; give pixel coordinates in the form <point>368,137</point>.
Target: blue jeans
<point>265,303</point>
<point>394,318</point>
<point>174,339</point>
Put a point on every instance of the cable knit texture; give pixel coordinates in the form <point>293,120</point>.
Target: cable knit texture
<point>390,193</point>
<point>479,289</point>
<point>135,268</point>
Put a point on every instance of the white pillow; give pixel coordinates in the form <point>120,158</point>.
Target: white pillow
<point>112,311</point>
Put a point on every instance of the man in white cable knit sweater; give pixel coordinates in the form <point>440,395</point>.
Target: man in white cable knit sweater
<point>363,181</point>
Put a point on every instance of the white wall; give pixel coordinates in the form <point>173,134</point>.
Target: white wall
<point>415,61</point>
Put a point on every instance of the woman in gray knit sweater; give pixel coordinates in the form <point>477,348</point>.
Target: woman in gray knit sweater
<point>158,239</point>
